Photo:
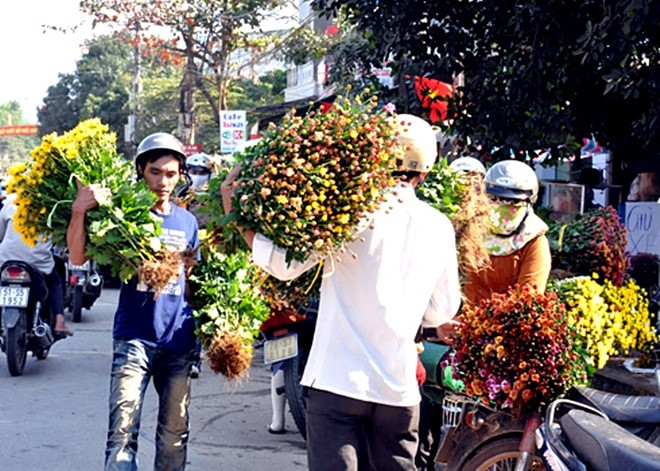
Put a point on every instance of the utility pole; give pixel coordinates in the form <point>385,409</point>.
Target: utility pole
<point>133,100</point>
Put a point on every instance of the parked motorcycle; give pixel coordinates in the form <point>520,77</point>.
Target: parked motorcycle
<point>27,324</point>
<point>577,437</point>
<point>287,340</point>
<point>477,437</point>
<point>83,284</point>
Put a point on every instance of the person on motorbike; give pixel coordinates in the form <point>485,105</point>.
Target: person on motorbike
<point>361,371</point>
<point>40,257</point>
<point>200,169</point>
<point>518,249</point>
<point>153,337</point>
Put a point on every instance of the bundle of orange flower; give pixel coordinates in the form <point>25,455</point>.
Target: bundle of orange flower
<point>518,350</point>
<point>309,181</point>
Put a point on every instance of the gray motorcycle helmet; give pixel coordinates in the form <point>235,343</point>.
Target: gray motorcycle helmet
<point>157,145</point>
<point>512,179</point>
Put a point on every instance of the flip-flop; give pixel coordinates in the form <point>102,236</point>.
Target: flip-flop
<point>275,432</point>
<point>63,333</point>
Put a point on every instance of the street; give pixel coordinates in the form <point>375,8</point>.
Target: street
<point>54,416</point>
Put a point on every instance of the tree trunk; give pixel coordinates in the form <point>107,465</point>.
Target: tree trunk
<point>186,126</point>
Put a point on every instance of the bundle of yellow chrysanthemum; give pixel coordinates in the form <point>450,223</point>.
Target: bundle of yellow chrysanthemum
<point>610,319</point>
<point>310,180</point>
<point>122,230</point>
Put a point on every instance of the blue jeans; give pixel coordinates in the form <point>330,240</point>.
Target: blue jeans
<point>133,364</point>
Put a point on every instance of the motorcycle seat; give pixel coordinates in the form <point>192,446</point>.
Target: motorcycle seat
<point>604,445</point>
<point>621,407</point>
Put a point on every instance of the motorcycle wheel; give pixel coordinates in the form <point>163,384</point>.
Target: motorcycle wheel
<point>16,348</point>
<point>293,370</point>
<point>500,455</point>
<point>76,308</point>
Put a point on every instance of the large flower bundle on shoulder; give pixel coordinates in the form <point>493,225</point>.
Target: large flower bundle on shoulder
<point>594,243</point>
<point>517,351</point>
<point>122,230</point>
<point>461,197</point>
<point>309,181</point>
<point>229,309</point>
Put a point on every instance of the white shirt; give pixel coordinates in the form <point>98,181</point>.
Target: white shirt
<point>12,246</point>
<point>405,274</point>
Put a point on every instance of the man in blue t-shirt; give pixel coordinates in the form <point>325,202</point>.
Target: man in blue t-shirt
<point>152,336</point>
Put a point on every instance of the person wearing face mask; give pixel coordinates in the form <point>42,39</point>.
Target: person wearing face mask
<point>199,169</point>
<point>518,248</point>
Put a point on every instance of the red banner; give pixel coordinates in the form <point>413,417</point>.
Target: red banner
<point>19,130</point>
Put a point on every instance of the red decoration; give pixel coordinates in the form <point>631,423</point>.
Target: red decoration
<point>433,96</point>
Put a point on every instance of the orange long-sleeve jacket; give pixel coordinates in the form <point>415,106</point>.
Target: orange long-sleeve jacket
<point>531,264</point>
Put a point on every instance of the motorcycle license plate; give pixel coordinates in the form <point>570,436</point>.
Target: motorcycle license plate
<point>14,296</point>
<point>280,349</point>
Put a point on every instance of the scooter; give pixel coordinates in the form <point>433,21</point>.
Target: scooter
<point>27,324</point>
<point>476,437</point>
<point>286,341</point>
<point>578,437</point>
<point>83,284</point>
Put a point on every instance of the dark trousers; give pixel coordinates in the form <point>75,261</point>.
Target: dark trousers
<point>339,428</point>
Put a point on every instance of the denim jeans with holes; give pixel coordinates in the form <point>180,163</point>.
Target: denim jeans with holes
<point>133,365</point>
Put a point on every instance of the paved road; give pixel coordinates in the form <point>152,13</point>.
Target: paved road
<point>54,416</point>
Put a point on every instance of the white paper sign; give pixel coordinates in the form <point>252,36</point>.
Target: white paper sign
<point>643,223</point>
<point>233,126</point>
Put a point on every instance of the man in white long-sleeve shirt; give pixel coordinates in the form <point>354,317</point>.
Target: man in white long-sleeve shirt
<point>361,368</point>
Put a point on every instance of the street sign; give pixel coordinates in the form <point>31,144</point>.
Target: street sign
<point>192,149</point>
<point>643,223</point>
<point>233,130</point>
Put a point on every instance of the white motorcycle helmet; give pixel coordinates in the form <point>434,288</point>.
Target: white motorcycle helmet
<point>467,164</point>
<point>419,140</point>
<point>158,144</point>
<point>199,168</point>
<point>512,179</point>
<point>200,163</point>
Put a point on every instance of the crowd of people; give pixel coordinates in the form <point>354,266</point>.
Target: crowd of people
<point>364,401</point>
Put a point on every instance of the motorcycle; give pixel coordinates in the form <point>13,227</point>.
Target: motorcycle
<point>474,436</point>
<point>83,283</point>
<point>578,437</point>
<point>286,342</point>
<point>27,324</point>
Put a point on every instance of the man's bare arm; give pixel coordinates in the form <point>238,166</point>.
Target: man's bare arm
<point>76,235</point>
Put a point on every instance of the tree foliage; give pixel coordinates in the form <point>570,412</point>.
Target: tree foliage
<point>537,75</point>
<point>99,87</point>
<point>14,149</point>
<point>202,35</point>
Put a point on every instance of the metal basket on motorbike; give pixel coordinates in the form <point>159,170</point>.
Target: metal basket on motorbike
<point>453,407</point>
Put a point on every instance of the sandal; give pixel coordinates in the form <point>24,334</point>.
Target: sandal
<point>275,432</point>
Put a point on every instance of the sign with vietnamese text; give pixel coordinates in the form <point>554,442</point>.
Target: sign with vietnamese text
<point>643,223</point>
<point>19,130</point>
<point>233,130</point>
<point>191,149</point>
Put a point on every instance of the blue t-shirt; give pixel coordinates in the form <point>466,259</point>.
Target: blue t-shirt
<point>165,322</point>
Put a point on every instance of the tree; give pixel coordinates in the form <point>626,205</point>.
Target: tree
<point>537,75</point>
<point>202,34</point>
<point>14,149</point>
<point>98,88</point>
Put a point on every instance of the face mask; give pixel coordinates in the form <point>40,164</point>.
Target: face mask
<point>506,218</point>
<point>198,181</point>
